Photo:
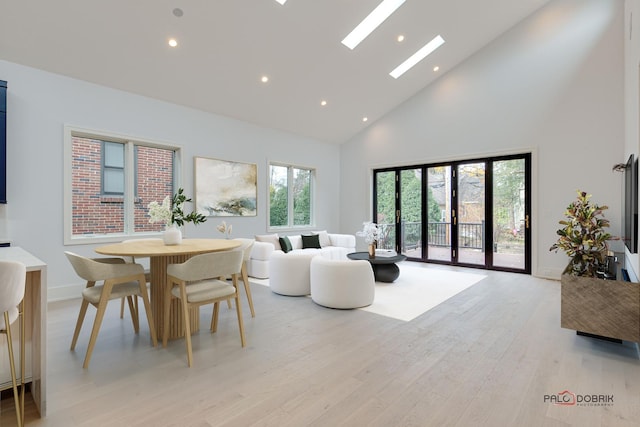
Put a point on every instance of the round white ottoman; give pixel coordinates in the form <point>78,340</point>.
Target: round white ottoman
<point>289,273</point>
<point>342,283</point>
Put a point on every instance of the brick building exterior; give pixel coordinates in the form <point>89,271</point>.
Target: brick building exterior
<point>97,213</point>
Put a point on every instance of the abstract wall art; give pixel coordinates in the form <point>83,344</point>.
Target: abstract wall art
<point>225,188</point>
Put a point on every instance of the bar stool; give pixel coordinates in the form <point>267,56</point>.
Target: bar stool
<point>12,284</point>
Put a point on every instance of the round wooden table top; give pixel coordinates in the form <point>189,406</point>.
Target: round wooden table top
<point>156,247</point>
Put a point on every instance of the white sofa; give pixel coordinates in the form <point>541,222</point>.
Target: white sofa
<point>333,246</point>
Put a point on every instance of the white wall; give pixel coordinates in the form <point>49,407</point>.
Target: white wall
<point>41,103</point>
<point>552,85</point>
<point>632,97</point>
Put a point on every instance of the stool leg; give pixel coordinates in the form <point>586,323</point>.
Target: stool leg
<point>22,360</point>
<point>12,365</point>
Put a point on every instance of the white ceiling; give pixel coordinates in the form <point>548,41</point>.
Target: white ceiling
<point>225,46</point>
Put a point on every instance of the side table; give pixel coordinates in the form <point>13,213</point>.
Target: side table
<point>384,267</point>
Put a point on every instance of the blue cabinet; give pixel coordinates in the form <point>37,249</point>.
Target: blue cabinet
<point>3,141</point>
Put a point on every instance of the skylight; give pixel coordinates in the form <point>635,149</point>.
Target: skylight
<point>371,22</point>
<point>417,57</point>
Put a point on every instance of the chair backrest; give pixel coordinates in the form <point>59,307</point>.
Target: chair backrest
<point>245,246</point>
<point>208,266</point>
<point>92,270</point>
<point>12,282</point>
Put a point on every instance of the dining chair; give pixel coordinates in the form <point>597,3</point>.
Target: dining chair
<point>147,273</point>
<point>245,246</point>
<point>119,279</point>
<point>12,286</point>
<point>197,282</point>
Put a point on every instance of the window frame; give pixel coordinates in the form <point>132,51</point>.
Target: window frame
<point>130,178</point>
<point>290,198</point>
<point>104,168</point>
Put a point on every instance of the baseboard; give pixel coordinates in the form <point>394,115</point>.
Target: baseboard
<point>66,292</point>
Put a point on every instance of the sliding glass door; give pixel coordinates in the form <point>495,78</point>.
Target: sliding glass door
<point>510,217</point>
<point>469,213</point>
<point>439,213</point>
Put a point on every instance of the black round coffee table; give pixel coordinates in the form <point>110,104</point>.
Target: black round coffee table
<point>384,267</point>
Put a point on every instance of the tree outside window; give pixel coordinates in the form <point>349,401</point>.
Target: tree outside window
<point>290,196</point>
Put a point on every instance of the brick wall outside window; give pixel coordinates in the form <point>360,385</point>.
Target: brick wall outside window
<point>95,213</point>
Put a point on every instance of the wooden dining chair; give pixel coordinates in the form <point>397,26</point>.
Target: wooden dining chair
<point>12,286</point>
<point>147,274</point>
<point>245,246</point>
<point>197,282</point>
<point>119,279</point>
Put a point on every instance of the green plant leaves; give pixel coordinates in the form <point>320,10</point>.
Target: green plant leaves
<point>583,237</point>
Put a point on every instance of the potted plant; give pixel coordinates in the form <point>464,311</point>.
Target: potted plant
<point>590,305</point>
<point>584,237</point>
<point>172,214</point>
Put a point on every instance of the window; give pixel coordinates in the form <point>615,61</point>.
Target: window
<point>113,168</point>
<point>110,181</point>
<point>290,196</point>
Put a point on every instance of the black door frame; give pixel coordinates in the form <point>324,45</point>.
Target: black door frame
<point>488,236</point>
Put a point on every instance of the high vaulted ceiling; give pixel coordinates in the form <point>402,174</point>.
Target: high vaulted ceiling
<point>226,46</point>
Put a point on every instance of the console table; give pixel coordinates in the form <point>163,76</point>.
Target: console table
<point>35,316</point>
<point>384,267</point>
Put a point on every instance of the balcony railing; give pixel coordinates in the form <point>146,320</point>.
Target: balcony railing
<point>470,235</point>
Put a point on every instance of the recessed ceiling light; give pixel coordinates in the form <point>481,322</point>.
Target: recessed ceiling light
<point>371,22</point>
<point>264,79</point>
<point>173,42</point>
<point>417,57</point>
<point>177,12</point>
<point>436,68</point>
<point>400,38</point>
<point>281,1</point>
<point>323,102</point>
<point>364,119</point>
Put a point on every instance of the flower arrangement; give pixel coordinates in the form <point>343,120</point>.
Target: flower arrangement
<point>170,211</point>
<point>225,229</point>
<point>370,231</point>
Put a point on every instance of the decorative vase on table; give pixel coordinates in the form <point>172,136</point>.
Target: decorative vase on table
<point>172,235</point>
<point>372,250</point>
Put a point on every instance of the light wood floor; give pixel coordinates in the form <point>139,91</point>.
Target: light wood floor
<point>486,357</point>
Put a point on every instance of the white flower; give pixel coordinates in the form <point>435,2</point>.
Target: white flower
<point>160,212</point>
<point>370,232</point>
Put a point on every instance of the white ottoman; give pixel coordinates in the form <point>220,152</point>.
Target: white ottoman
<point>342,283</point>
<point>289,273</point>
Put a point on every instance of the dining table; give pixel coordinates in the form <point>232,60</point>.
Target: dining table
<point>160,256</point>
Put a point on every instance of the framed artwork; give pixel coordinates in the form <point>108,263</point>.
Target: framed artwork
<point>225,188</point>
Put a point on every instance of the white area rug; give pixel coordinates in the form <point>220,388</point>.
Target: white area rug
<point>417,290</point>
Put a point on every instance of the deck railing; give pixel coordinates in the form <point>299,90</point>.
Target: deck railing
<point>471,235</point>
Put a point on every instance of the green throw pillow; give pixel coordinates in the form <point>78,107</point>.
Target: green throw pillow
<point>285,244</point>
<point>312,241</point>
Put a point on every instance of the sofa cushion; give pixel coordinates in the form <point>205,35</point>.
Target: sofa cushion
<point>270,238</point>
<point>324,238</point>
<point>311,241</point>
<point>285,244</point>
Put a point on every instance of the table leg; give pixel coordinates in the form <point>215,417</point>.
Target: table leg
<point>158,267</point>
<point>386,272</point>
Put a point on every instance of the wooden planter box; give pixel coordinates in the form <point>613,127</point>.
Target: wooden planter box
<point>610,308</point>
